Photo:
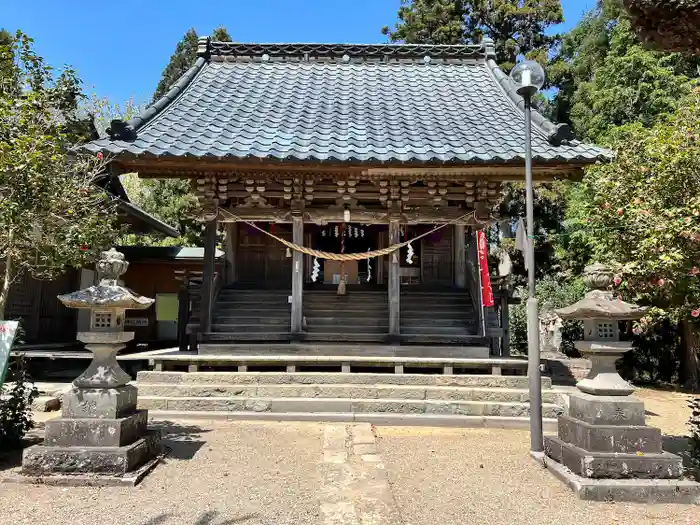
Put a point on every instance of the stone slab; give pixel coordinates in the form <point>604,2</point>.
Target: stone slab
<point>96,432</point>
<point>613,465</point>
<point>130,479</point>
<point>41,460</point>
<point>650,491</point>
<point>606,410</point>
<point>610,438</point>
<point>46,404</point>
<point>98,403</point>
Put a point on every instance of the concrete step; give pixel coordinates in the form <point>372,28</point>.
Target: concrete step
<point>331,349</point>
<point>347,391</point>
<point>336,378</point>
<point>414,420</point>
<point>274,404</point>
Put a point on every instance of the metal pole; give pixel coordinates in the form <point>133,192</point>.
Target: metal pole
<point>533,340</point>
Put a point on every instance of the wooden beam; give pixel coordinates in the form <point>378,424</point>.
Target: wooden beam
<point>394,280</point>
<point>297,274</point>
<point>207,300</point>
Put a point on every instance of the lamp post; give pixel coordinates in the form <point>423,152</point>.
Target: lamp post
<point>528,77</point>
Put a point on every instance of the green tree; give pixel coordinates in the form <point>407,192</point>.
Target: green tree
<point>171,199</point>
<point>641,214</point>
<point>606,78</point>
<point>517,27</point>
<point>184,58</point>
<point>51,214</point>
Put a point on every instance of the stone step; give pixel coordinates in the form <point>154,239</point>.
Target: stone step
<point>336,378</point>
<point>346,391</point>
<point>413,420</point>
<point>299,404</point>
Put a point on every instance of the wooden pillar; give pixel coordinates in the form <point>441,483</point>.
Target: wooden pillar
<point>394,280</point>
<point>460,256</point>
<point>297,274</point>
<point>231,247</point>
<point>207,300</point>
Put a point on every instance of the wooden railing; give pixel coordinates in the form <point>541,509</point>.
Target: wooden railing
<point>473,280</point>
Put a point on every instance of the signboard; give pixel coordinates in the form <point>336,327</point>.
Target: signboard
<point>136,321</point>
<point>8,329</point>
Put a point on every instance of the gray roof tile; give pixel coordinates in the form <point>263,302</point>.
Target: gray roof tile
<point>381,104</point>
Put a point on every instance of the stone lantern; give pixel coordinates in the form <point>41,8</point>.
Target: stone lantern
<point>601,314</point>
<point>603,448</point>
<point>100,431</point>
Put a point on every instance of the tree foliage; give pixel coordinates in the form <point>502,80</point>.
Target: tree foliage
<point>51,214</point>
<point>607,78</point>
<point>183,58</point>
<point>171,199</point>
<point>641,214</point>
<point>517,27</point>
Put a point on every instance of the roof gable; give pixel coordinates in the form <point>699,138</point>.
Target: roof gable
<point>346,103</point>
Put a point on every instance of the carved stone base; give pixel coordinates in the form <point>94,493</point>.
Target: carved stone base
<point>110,403</point>
<point>605,437</point>
<point>41,460</point>
<point>96,432</point>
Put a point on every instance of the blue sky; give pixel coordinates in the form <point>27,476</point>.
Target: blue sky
<point>120,47</point>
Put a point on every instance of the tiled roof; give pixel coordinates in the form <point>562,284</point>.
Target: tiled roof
<point>373,104</point>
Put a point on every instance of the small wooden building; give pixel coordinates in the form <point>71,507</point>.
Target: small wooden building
<point>343,148</point>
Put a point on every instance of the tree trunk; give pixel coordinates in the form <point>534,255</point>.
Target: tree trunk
<point>6,282</point>
<point>690,367</point>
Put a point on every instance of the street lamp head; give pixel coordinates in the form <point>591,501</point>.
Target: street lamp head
<point>528,76</point>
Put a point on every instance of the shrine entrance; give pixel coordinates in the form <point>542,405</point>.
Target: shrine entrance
<point>342,238</point>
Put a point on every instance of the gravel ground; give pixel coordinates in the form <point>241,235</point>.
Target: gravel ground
<point>446,476</point>
<point>218,473</point>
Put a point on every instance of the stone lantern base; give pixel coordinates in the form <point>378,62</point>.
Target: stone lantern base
<point>100,434</point>
<point>605,451</point>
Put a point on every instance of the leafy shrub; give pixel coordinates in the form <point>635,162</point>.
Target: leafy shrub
<point>16,405</point>
<point>552,293</point>
<point>693,451</point>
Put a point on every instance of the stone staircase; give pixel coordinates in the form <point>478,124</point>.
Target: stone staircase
<point>381,398</point>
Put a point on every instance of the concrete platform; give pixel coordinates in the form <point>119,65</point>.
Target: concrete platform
<point>648,491</point>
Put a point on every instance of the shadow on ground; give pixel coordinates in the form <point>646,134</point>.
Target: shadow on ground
<point>211,517</point>
<point>183,440</point>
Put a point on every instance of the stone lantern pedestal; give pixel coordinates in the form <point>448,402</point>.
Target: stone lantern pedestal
<point>603,449</point>
<point>101,437</point>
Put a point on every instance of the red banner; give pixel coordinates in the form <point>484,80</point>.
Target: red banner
<point>486,291</point>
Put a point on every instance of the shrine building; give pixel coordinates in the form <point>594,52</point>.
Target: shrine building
<point>345,149</point>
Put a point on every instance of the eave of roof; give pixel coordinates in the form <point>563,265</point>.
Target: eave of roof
<point>558,146</point>
<point>153,222</point>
